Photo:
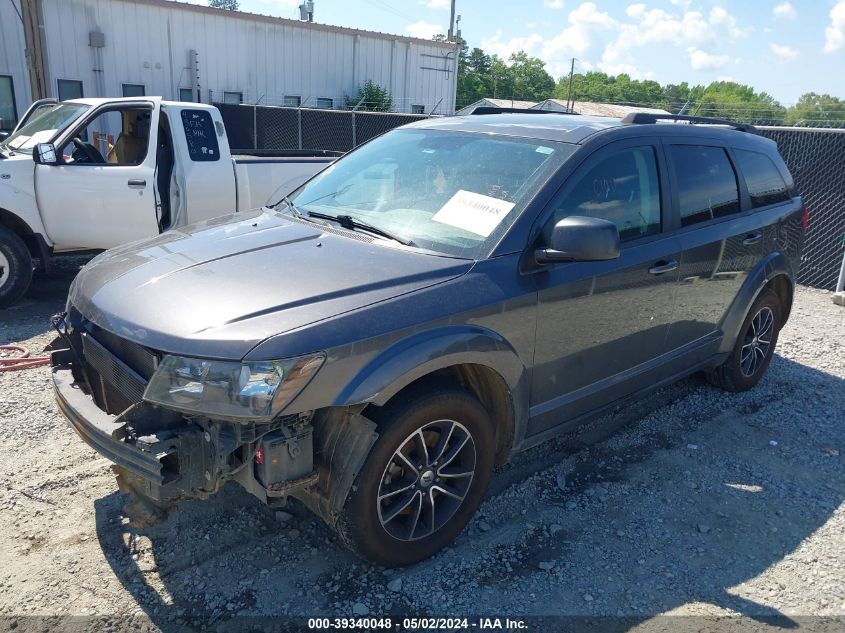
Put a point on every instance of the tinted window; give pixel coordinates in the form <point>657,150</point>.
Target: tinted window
<point>707,186</point>
<point>763,179</point>
<point>69,89</point>
<point>623,188</point>
<point>200,135</point>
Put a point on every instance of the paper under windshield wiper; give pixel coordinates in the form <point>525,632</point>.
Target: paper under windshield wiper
<point>348,222</point>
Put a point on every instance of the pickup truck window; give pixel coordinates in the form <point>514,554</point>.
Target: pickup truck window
<point>454,193</point>
<point>200,135</point>
<point>44,126</point>
<point>118,136</point>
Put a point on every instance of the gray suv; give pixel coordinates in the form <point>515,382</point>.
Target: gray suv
<point>452,292</point>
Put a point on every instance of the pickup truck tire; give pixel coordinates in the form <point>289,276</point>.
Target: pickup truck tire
<point>423,479</point>
<point>15,267</point>
<point>754,346</point>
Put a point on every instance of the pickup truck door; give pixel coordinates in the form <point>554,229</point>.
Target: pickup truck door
<point>103,193</point>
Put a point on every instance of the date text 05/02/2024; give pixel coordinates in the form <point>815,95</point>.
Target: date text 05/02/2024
<point>417,624</point>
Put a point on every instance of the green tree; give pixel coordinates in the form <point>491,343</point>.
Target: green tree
<point>528,78</point>
<point>738,102</point>
<point>372,97</point>
<point>815,110</point>
<point>231,5</point>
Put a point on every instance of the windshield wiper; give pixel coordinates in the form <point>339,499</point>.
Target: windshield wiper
<point>348,222</point>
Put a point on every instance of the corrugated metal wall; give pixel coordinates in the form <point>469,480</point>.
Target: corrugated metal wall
<point>149,43</point>
<point>12,56</point>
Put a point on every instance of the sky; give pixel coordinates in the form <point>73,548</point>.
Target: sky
<point>782,47</point>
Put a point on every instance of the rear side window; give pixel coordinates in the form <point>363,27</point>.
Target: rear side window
<point>765,184</point>
<point>707,186</point>
<point>200,135</point>
<point>622,188</point>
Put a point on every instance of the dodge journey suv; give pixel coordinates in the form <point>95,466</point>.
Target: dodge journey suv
<point>454,291</point>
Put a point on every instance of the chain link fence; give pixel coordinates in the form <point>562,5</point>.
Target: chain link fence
<point>251,127</point>
<point>816,158</point>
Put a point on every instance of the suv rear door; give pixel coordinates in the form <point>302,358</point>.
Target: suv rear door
<point>722,240</point>
<point>602,325</point>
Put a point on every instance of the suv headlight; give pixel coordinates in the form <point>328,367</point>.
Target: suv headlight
<point>222,389</point>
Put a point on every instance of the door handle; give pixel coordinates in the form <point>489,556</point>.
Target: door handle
<point>137,182</point>
<point>753,238</point>
<point>663,266</point>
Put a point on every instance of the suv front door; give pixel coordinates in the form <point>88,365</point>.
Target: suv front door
<point>102,194</point>
<point>601,326</point>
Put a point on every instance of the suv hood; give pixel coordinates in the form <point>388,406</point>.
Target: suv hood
<point>218,288</point>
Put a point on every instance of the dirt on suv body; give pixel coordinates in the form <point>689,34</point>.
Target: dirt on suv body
<point>447,294</point>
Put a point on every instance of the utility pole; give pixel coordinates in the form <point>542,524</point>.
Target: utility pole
<point>569,96</point>
<point>451,36</point>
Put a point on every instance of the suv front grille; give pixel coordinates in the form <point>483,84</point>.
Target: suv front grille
<point>119,376</point>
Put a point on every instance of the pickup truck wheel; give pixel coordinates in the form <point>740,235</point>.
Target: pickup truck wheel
<point>423,479</point>
<point>754,347</point>
<point>15,267</point>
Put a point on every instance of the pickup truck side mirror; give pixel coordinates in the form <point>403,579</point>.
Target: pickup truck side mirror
<point>582,239</point>
<point>45,154</point>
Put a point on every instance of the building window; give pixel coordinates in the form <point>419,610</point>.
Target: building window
<point>133,90</point>
<point>186,94</point>
<point>293,101</point>
<point>417,109</point>
<point>8,112</point>
<point>323,102</point>
<point>233,98</point>
<point>69,89</point>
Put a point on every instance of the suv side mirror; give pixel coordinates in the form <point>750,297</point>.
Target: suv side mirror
<point>45,154</point>
<point>579,238</point>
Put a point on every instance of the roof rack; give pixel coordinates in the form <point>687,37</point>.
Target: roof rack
<point>645,118</point>
<point>498,110</point>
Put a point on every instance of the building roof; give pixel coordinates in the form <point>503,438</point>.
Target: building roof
<point>548,127</point>
<point>260,17</point>
<point>596,109</point>
<point>496,103</point>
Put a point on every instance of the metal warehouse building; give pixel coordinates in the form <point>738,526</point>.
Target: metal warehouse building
<point>94,48</point>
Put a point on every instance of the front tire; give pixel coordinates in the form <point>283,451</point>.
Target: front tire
<point>423,480</point>
<point>15,267</point>
<point>754,347</point>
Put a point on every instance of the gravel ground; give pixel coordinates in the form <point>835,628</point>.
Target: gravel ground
<point>691,502</point>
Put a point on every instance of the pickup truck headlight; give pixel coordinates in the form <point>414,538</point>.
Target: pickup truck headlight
<point>223,389</point>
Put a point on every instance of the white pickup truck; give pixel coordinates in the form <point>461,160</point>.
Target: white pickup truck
<point>90,174</point>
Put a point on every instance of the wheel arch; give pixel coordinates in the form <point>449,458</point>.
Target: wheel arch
<point>34,241</point>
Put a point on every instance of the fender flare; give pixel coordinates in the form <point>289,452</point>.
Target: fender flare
<point>425,352</point>
<point>770,267</point>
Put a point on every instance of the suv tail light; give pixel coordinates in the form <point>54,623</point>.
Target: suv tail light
<point>805,219</point>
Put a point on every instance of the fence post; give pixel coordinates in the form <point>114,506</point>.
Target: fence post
<point>354,131</point>
<point>839,295</point>
<point>254,127</point>
<point>299,125</point>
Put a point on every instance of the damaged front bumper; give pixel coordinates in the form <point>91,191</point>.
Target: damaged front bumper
<point>165,456</point>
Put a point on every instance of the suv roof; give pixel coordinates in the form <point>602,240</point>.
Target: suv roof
<point>573,128</point>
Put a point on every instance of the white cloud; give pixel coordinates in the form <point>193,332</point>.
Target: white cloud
<point>423,29</point>
<point>785,11</point>
<point>435,4</point>
<point>702,60</point>
<point>719,17</point>
<point>783,53</point>
<point>835,33</point>
<point>554,4</point>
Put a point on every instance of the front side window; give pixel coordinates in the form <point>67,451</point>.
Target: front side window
<point>233,98</point>
<point>115,137</point>
<point>133,90</point>
<point>449,192</point>
<point>707,185</point>
<point>44,126</point>
<point>69,89</point>
<point>623,188</point>
<point>765,184</point>
<point>8,111</point>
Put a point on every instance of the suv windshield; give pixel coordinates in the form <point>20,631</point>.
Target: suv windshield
<point>454,193</point>
<point>43,127</point>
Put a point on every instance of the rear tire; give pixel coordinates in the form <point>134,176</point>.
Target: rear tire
<point>15,267</point>
<point>754,347</point>
<point>403,508</point>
